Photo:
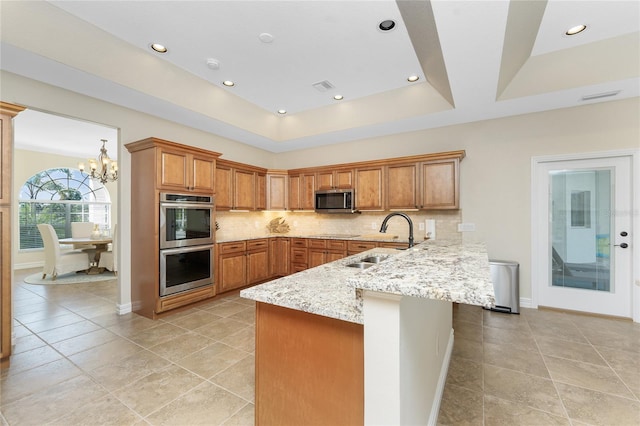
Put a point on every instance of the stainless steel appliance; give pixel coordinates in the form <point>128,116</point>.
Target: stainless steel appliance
<point>187,227</point>
<point>186,220</point>
<point>185,268</point>
<point>506,284</point>
<point>335,201</point>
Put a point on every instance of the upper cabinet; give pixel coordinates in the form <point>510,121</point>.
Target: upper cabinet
<point>302,189</point>
<point>179,167</point>
<point>402,186</point>
<point>335,179</point>
<point>240,186</point>
<point>440,184</point>
<point>277,190</point>
<point>369,188</point>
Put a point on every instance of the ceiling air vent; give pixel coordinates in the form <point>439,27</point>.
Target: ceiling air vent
<point>323,86</point>
<point>600,95</point>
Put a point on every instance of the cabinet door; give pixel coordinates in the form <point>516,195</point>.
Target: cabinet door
<point>360,246</point>
<point>294,193</point>
<point>276,192</point>
<point>440,184</point>
<point>244,190</point>
<point>203,173</point>
<point>402,187</point>
<point>261,191</point>
<point>369,189</point>
<point>279,257</point>
<point>224,185</point>
<point>334,255</point>
<point>232,270</point>
<point>325,179</point>
<point>343,179</point>
<point>307,192</point>
<point>173,170</point>
<point>317,257</point>
<point>257,266</point>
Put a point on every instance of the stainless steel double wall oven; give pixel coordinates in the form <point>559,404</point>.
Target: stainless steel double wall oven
<point>187,227</point>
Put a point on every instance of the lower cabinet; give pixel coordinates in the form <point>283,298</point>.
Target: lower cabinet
<point>324,251</point>
<point>279,257</point>
<point>354,247</point>
<point>242,263</point>
<point>299,255</point>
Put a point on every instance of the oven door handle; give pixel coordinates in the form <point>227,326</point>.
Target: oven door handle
<point>187,249</point>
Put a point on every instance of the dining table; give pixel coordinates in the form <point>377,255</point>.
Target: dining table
<point>100,245</point>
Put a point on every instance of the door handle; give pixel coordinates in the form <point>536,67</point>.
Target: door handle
<point>623,234</point>
<point>623,245</point>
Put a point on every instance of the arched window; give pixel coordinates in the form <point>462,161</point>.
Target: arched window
<point>58,197</point>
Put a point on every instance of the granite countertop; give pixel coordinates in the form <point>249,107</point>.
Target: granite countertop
<point>441,270</point>
<point>381,237</point>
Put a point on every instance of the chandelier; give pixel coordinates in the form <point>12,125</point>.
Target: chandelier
<point>108,168</point>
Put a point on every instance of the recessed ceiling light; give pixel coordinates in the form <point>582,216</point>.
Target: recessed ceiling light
<point>228,83</point>
<point>159,48</point>
<point>338,97</point>
<point>387,25</point>
<point>282,111</point>
<point>413,78</point>
<point>575,30</point>
<point>265,38</point>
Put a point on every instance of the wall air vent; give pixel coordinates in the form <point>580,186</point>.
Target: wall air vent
<point>600,95</point>
<point>323,86</point>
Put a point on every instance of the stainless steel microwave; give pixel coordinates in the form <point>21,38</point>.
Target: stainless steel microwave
<point>335,201</point>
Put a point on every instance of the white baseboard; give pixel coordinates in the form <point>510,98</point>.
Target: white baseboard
<point>526,302</point>
<point>435,407</point>
<point>122,309</point>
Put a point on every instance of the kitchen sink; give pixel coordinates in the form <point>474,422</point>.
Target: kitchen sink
<point>374,259</point>
<point>360,265</point>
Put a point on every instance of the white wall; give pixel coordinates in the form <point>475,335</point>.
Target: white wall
<point>495,175</point>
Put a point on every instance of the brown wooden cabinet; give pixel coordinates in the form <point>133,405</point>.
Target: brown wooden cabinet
<point>150,160</point>
<point>277,193</point>
<point>242,263</point>
<point>240,186</point>
<point>299,255</point>
<point>355,247</point>
<point>181,169</point>
<point>369,188</point>
<point>440,184</point>
<point>402,187</point>
<point>279,254</point>
<point>302,189</point>
<point>323,251</point>
<point>335,179</point>
<point>7,112</point>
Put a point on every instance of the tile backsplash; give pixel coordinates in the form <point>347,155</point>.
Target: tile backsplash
<point>243,225</point>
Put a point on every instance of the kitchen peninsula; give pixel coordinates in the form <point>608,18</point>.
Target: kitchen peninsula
<point>340,344</point>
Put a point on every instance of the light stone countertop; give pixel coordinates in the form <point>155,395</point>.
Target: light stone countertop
<point>451,271</point>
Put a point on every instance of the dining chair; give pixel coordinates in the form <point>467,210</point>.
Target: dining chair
<point>57,262</point>
<point>83,230</point>
<point>109,259</point>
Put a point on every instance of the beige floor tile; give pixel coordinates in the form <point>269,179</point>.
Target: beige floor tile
<point>570,350</point>
<point>244,339</point>
<point>21,331</point>
<point>597,408</point>
<point>181,346</point>
<point>108,352</point>
<point>465,374</point>
<point>157,335</point>
<point>247,302</point>
<point>628,340</point>
<point>211,360</point>
<point>207,404</point>
<point>565,330</point>
<point>68,331</point>
<point>30,359</point>
<point>468,330</point>
<point>590,376</point>
<point>626,365</point>
<point>112,318</point>
<point>501,412</point>
<point>27,343</point>
<point>127,370</point>
<point>83,342</point>
<point>39,311</point>
<point>195,319</point>
<point>104,411</point>
<point>244,417</point>
<point>247,315</point>
<point>239,378</point>
<point>467,349</point>
<point>470,314</point>
<point>460,406</point>
<point>54,322</point>
<point>17,386</point>
<point>509,337</point>
<point>227,309</point>
<point>525,389</point>
<point>53,402</point>
<point>157,389</point>
<point>221,328</point>
<point>502,320</point>
<point>135,325</point>
<point>508,356</point>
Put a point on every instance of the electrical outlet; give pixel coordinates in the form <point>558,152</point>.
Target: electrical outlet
<point>466,227</point>
<point>373,225</point>
<point>421,226</point>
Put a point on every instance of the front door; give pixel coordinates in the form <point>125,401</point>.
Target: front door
<point>584,248</point>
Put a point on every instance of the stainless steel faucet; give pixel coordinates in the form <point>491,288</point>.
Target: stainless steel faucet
<point>383,228</point>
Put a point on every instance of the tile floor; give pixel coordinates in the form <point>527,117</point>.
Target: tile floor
<point>77,362</point>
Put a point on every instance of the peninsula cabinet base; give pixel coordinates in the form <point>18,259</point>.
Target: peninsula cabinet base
<point>309,369</point>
